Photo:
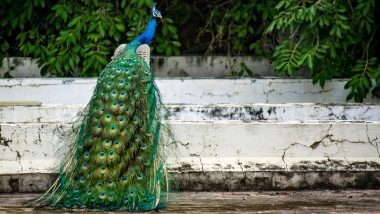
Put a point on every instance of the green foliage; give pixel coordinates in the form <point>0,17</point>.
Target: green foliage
<point>237,26</point>
<point>363,73</point>
<point>76,38</point>
<point>331,38</point>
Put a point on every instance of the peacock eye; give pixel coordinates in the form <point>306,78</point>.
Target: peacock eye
<point>121,104</point>
<point>122,93</point>
<point>121,81</point>
<point>116,142</point>
<point>114,103</point>
<point>111,152</point>
<point>110,181</point>
<point>99,125</point>
<point>102,167</point>
<point>102,153</point>
<point>108,116</point>
<point>113,92</point>
<point>113,127</point>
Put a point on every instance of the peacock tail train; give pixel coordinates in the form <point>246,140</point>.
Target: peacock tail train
<point>116,161</point>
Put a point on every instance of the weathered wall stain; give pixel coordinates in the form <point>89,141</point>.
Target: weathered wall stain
<point>4,141</point>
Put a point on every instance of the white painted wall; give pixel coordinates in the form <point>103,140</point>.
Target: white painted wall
<point>301,136</point>
<point>221,145</point>
<point>185,91</point>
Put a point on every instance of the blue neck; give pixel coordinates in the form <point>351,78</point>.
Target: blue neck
<point>147,36</point>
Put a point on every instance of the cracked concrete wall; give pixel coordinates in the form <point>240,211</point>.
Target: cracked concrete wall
<point>264,146</point>
<point>220,155</point>
<point>185,91</point>
<point>220,146</point>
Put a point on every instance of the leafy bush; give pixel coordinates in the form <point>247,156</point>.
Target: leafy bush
<point>333,39</point>
<point>330,38</point>
<point>76,38</point>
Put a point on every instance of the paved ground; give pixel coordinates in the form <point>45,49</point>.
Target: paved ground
<point>366,201</point>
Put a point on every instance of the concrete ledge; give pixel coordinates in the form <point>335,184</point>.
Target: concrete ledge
<point>235,181</point>
<point>34,182</point>
<point>245,112</point>
<point>222,181</point>
<point>184,91</point>
<point>210,66</point>
<point>178,66</point>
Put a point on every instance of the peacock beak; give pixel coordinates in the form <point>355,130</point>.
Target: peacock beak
<point>159,16</point>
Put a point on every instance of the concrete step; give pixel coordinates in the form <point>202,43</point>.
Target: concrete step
<point>221,146</point>
<point>184,91</point>
<point>221,134</point>
<point>246,112</point>
<point>177,66</point>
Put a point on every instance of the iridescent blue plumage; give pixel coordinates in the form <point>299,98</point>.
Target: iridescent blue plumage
<point>147,36</point>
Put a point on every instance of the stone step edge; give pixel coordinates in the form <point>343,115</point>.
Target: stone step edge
<point>37,104</point>
<point>196,112</point>
<point>187,90</point>
<point>222,181</point>
<point>221,164</point>
<point>232,122</point>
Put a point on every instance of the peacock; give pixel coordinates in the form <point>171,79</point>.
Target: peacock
<point>116,160</point>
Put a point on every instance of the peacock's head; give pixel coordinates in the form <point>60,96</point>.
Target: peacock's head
<point>156,13</point>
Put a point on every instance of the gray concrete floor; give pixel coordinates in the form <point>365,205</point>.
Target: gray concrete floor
<point>355,201</point>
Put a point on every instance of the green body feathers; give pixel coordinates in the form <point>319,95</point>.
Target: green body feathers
<point>116,160</point>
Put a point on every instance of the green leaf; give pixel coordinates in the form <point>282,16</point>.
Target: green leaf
<point>176,43</point>
<point>74,21</point>
<point>4,46</point>
<point>120,27</point>
<point>350,96</point>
